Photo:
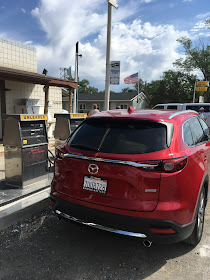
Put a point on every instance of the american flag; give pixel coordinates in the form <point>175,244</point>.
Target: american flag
<point>132,79</point>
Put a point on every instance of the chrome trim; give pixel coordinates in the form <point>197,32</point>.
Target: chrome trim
<point>181,112</point>
<point>128,233</point>
<point>131,163</point>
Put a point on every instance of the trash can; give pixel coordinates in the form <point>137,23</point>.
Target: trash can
<point>26,150</point>
<point>65,124</point>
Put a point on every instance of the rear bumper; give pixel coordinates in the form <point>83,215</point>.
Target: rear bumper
<point>121,224</point>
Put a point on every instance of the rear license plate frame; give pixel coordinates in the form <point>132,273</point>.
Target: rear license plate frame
<point>96,184</point>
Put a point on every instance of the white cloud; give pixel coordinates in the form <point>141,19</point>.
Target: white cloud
<point>23,10</point>
<point>146,1</point>
<point>138,45</point>
<point>28,42</point>
<point>203,16</point>
<point>198,27</point>
<point>186,0</point>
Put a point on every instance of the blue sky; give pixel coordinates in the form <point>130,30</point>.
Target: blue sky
<point>144,33</point>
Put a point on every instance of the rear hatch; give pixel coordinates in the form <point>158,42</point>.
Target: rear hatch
<point>114,163</point>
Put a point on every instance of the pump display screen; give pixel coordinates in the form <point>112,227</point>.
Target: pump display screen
<point>33,132</point>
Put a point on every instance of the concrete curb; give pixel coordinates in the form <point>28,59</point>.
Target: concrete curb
<point>18,210</point>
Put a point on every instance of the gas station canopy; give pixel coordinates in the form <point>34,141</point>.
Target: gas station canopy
<point>34,78</point>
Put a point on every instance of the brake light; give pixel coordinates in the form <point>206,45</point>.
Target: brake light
<point>166,165</point>
<point>174,165</point>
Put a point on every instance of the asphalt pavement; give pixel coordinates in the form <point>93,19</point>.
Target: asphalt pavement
<point>43,248</point>
<point>34,244</point>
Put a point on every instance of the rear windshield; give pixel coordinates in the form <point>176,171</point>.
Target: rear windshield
<point>120,137</point>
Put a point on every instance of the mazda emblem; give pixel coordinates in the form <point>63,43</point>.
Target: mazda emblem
<point>93,168</point>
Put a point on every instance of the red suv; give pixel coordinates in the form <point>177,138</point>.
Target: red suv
<point>140,173</point>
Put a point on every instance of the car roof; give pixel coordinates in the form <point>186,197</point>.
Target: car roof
<point>162,104</point>
<point>145,114</point>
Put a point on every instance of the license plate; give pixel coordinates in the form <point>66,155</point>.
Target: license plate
<point>95,184</point>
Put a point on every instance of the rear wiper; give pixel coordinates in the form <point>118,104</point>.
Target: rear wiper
<point>84,147</point>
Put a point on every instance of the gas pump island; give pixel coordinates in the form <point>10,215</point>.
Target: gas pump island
<point>26,150</point>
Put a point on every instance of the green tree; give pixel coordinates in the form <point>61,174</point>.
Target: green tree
<point>83,87</point>
<point>141,85</point>
<point>155,93</point>
<point>103,91</point>
<point>127,89</point>
<point>174,87</point>
<point>196,57</point>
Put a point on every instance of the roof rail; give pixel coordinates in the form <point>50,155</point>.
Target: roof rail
<point>181,112</point>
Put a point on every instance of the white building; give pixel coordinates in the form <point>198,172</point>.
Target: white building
<point>123,100</point>
<point>22,89</point>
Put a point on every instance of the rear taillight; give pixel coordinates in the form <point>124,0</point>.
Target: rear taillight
<point>174,165</point>
<point>166,165</point>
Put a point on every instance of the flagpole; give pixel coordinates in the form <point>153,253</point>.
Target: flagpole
<point>138,80</point>
<point>194,92</point>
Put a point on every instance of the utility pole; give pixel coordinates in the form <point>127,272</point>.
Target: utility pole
<point>108,52</point>
<point>76,76</point>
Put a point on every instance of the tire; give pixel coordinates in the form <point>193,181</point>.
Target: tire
<point>196,235</point>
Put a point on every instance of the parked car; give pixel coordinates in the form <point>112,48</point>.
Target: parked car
<point>187,106</point>
<point>139,173</point>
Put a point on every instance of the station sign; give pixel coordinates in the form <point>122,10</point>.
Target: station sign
<point>78,116</point>
<point>201,88</point>
<point>33,117</point>
<point>202,83</point>
<point>114,72</point>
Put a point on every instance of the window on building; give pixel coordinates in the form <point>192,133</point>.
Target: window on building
<point>124,106</point>
<point>82,106</point>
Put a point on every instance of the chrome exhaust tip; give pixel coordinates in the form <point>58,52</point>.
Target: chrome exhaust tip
<point>147,243</point>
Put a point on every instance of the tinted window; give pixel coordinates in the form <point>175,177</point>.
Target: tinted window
<point>159,107</point>
<point>197,131</point>
<point>173,107</point>
<point>197,107</point>
<point>187,134</point>
<point>120,137</point>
